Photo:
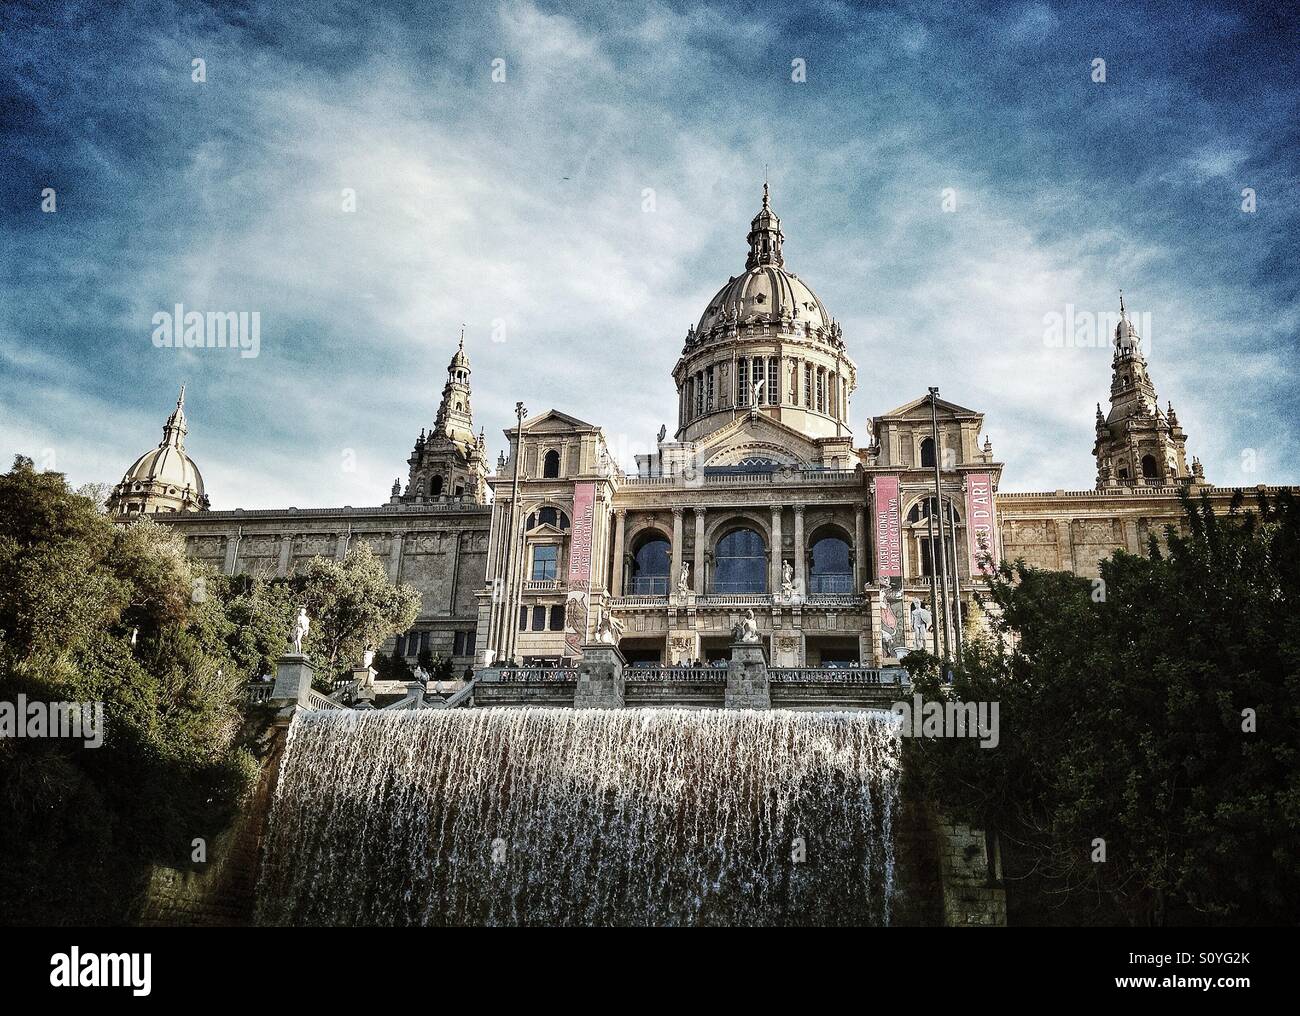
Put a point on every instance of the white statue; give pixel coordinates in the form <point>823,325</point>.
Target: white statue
<point>787,580</point>
<point>746,630</point>
<point>684,579</point>
<point>755,393</point>
<point>301,625</point>
<point>921,620</point>
<point>609,629</point>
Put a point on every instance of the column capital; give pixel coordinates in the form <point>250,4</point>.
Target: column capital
<point>798,509</point>
<point>698,509</point>
<point>620,513</point>
<point>678,512</point>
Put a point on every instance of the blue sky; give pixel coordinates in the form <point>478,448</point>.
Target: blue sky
<point>519,208</point>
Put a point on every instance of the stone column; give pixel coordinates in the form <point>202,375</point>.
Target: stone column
<point>616,576</point>
<point>859,550</point>
<point>774,565</point>
<point>676,569</point>
<point>699,551</point>
<point>799,577</point>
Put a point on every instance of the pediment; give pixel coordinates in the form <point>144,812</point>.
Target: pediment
<point>756,437</point>
<point>553,421</point>
<point>920,409</point>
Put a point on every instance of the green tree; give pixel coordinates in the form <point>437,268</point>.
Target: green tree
<point>1154,714</point>
<point>353,607</point>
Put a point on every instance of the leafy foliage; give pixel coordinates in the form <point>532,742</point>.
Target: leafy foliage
<point>98,613</point>
<point>1157,710</point>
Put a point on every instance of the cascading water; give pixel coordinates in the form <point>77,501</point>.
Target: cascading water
<point>528,816</point>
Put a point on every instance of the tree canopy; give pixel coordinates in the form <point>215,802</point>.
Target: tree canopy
<point>93,612</point>
<point>1151,718</point>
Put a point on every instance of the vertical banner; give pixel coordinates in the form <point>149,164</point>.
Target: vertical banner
<point>886,510</point>
<point>577,607</point>
<point>980,532</point>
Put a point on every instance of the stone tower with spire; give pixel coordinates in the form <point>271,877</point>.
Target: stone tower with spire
<point>449,461</point>
<point>163,479</point>
<point>1137,445</point>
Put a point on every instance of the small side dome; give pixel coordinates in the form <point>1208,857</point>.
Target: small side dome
<point>163,479</point>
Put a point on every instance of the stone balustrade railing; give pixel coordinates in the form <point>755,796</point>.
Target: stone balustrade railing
<point>674,675</point>
<point>830,675</point>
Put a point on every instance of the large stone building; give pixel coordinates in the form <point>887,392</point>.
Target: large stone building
<point>761,500</point>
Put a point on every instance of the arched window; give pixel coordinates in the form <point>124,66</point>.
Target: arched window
<point>1123,472</point>
<point>650,564</point>
<point>927,452</point>
<point>830,564</point>
<point>548,516</point>
<point>1149,469</point>
<point>435,486</point>
<point>741,563</point>
<point>551,465</point>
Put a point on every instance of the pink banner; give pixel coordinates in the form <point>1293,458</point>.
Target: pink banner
<point>580,537</point>
<point>886,508</point>
<point>980,522</point>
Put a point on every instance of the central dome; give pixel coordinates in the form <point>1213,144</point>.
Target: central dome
<point>766,293</point>
<point>765,345</point>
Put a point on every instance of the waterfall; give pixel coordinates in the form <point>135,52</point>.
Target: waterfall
<point>532,816</point>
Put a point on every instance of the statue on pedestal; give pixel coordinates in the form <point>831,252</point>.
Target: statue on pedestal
<point>787,580</point>
<point>301,626</point>
<point>609,629</point>
<point>746,630</point>
<point>684,579</point>
<point>921,621</point>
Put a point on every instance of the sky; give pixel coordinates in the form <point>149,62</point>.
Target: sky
<point>573,182</point>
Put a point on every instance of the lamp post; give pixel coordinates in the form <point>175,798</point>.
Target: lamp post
<point>510,622</point>
<point>943,537</point>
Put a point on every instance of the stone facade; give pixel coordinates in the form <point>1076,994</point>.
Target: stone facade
<point>762,499</point>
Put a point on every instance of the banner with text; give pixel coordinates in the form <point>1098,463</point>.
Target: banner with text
<point>886,509</point>
<point>577,607</point>
<point>980,522</point>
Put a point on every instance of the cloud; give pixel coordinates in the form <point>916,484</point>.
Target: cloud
<point>588,207</point>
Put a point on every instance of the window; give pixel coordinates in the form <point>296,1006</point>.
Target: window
<point>821,389</point>
<point>460,491</point>
<point>546,562</point>
<point>435,486</point>
<point>807,386</point>
<point>708,390</point>
<point>927,452</point>
<point>458,644</point>
<point>548,516</point>
<point>557,617</point>
<point>741,563</point>
<point>539,619</point>
<point>650,566</point>
<point>1149,468</point>
<point>523,618</point>
<point>773,381</point>
<point>551,465</point>
<point>830,568</point>
<point>1123,472</point>
<point>699,394</point>
<point>742,382</point>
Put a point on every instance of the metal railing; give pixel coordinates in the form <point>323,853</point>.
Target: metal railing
<point>258,691</point>
<point>649,585</point>
<point>836,583</point>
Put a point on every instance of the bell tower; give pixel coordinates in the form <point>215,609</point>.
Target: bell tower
<point>449,462</point>
<point>1136,444</point>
